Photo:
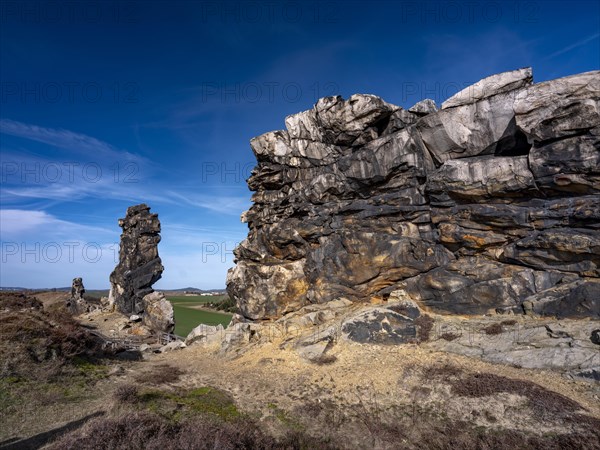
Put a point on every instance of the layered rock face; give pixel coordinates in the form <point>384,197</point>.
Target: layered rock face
<point>490,204</point>
<point>139,265</point>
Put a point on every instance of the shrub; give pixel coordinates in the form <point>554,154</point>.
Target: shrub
<point>445,371</point>
<point>159,374</point>
<point>493,329</point>
<point>127,393</point>
<point>39,344</point>
<point>147,431</point>
<point>542,401</point>
<point>325,360</point>
<point>424,325</point>
<point>448,336</point>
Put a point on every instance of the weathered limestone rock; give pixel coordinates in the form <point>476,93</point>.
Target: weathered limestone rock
<point>559,108</point>
<point>548,344</point>
<point>206,335</point>
<point>423,107</point>
<point>493,85</point>
<point>139,265</point>
<point>77,303</point>
<point>489,205</point>
<point>380,326</point>
<point>158,313</point>
<point>138,269</point>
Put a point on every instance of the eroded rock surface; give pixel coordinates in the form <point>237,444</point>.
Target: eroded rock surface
<point>138,269</point>
<point>158,313</point>
<point>490,204</point>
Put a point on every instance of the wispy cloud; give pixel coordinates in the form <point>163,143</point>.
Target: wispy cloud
<point>229,205</point>
<point>573,46</point>
<point>16,223</point>
<point>67,140</point>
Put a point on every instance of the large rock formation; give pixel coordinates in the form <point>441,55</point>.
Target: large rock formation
<point>138,269</point>
<point>490,204</point>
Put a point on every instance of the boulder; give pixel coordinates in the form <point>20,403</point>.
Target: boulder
<point>206,335</point>
<point>158,313</point>
<point>172,346</point>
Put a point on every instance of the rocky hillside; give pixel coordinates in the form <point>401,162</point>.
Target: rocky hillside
<point>490,204</point>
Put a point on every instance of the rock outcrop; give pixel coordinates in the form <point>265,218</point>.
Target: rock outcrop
<point>77,289</point>
<point>138,269</point>
<point>77,303</point>
<point>490,204</point>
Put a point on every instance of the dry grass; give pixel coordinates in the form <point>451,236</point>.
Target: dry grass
<point>170,430</point>
<point>40,344</point>
<point>159,374</point>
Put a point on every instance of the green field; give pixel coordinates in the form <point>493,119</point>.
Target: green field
<point>196,299</point>
<point>186,318</point>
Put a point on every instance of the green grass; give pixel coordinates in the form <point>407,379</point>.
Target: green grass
<point>177,405</point>
<point>97,292</point>
<point>186,318</point>
<point>196,299</point>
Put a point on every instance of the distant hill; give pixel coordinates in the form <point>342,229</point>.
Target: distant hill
<point>67,289</point>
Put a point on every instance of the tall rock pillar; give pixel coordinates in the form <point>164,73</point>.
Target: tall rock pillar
<point>139,265</point>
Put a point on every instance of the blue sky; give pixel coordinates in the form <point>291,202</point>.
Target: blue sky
<point>107,104</point>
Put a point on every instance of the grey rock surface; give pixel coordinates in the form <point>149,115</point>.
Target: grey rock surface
<point>139,265</point>
<point>158,313</point>
<point>380,326</point>
<point>536,344</point>
<point>491,204</point>
<point>205,334</point>
<point>423,107</point>
<point>138,269</point>
<point>77,303</point>
<point>492,85</point>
